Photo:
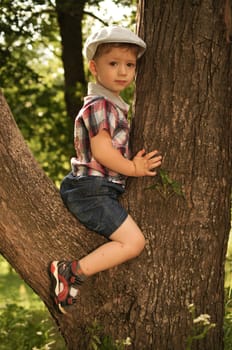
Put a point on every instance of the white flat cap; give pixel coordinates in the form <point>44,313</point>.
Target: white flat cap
<point>113,34</point>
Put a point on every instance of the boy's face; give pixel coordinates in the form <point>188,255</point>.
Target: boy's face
<point>115,70</point>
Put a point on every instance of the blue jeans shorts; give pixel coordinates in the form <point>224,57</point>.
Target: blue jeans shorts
<point>93,200</point>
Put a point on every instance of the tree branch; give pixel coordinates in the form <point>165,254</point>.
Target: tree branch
<point>95,17</point>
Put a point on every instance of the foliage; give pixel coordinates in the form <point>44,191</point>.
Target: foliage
<point>99,341</point>
<point>32,81</point>
<point>22,329</point>
<point>228,319</point>
<point>200,326</point>
<point>166,186</point>
<point>25,323</point>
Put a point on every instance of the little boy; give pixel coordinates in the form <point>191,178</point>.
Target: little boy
<point>102,163</point>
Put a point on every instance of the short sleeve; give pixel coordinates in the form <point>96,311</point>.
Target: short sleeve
<point>99,115</point>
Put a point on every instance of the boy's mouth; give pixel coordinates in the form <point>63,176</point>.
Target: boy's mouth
<point>122,82</point>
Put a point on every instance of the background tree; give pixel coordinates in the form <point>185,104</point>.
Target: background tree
<point>183,107</point>
<point>40,62</point>
<point>70,18</point>
<point>31,77</point>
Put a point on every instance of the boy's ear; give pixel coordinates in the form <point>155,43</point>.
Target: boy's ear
<point>92,67</point>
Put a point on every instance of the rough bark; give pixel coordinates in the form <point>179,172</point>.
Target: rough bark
<point>182,107</point>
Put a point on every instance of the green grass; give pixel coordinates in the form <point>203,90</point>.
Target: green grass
<point>25,323</point>
<point>13,289</point>
<point>228,265</point>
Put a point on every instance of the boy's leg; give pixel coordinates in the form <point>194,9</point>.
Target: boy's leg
<point>126,243</point>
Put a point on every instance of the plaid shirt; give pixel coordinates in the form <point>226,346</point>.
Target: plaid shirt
<point>101,110</point>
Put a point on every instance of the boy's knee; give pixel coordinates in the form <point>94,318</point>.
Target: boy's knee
<point>138,245</point>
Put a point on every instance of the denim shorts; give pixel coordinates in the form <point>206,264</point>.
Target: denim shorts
<point>93,200</point>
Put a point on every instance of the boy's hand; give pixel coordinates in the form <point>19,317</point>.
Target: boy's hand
<point>141,165</point>
<point>146,163</point>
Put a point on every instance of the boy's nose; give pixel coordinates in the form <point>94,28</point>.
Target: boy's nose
<point>122,69</point>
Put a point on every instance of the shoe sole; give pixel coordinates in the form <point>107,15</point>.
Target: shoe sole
<point>55,285</point>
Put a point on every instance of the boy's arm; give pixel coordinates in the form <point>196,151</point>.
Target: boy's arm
<point>104,152</point>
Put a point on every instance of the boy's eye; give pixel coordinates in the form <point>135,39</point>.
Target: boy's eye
<point>113,63</point>
<point>130,65</point>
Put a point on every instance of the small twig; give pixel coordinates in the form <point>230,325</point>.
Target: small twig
<point>95,17</point>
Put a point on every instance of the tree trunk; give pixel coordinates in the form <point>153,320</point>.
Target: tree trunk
<point>70,15</point>
<point>183,108</point>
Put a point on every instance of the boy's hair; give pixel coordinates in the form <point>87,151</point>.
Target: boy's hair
<point>107,47</point>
